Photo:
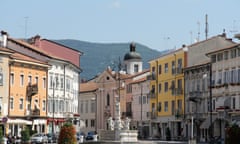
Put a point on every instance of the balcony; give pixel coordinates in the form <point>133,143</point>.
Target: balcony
<point>152,115</point>
<point>179,70</point>
<point>152,76</point>
<point>151,95</point>
<point>179,113</point>
<point>177,91</point>
<point>33,112</point>
<point>195,93</point>
<point>32,89</point>
<point>126,114</point>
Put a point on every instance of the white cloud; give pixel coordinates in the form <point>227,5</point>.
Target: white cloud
<point>115,4</point>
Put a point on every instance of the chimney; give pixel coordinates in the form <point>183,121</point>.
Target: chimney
<point>36,40</point>
<point>4,38</point>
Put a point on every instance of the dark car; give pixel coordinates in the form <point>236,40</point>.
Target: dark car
<point>90,135</point>
<point>52,138</point>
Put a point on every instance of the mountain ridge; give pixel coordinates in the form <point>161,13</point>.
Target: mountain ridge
<point>98,56</point>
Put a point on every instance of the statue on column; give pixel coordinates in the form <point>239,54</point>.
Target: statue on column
<point>126,123</point>
<point>110,123</point>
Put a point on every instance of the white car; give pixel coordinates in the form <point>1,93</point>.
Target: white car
<point>39,138</point>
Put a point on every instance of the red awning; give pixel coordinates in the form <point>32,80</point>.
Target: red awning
<point>56,120</point>
<point>76,115</point>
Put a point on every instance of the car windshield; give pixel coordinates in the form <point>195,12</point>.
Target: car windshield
<point>80,133</point>
<point>91,133</point>
<point>37,135</point>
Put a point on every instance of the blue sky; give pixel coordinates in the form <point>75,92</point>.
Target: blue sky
<point>158,24</point>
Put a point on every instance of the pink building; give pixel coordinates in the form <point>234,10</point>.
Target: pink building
<point>57,50</point>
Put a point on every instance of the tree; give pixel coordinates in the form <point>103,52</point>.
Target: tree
<point>25,135</point>
<point>67,134</point>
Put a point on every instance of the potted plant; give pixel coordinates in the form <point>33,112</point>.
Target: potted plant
<point>25,136</point>
<point>67,134</point>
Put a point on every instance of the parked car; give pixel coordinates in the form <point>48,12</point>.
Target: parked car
<point>52,138</point>
<point>79,134</point>
<point>39,138</point>
<point>90,135</point>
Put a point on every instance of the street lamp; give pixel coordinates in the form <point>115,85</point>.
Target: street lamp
<point>53,96</point>
<point>210,98</point>
<point>210,130</point>
<point>53,110</point>
<point>141,95</point>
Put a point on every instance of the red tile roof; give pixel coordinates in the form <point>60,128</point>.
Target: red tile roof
<point>88,87</point>
<point>22,57</point>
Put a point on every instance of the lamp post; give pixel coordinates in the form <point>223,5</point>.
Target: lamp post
<point>119,79</point>
<point>53,110</point>
<point>141,95</point>
<point>174,90</point>
<point>94,99</point>
<point>210,103</point>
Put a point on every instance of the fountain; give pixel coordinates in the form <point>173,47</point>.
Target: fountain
<point>118,130</point>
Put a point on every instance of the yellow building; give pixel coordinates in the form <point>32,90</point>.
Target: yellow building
<point>27,95</point>
<point>167,93</point>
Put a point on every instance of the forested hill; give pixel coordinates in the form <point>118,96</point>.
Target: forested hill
<point>98,56</point>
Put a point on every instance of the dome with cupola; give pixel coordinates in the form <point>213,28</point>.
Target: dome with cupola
<point>132,61</point>
<point>132,54</point>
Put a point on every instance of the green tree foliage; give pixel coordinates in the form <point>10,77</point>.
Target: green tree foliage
<point>25,135</point>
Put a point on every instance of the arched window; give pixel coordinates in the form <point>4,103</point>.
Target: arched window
<point>108,100</point>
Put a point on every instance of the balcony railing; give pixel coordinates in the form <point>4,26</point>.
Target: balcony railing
<point>152,76</point>
<point>177,91</point>
<point>195,93</point>
<point>32,89</point>
<point>33,112</point>
<point>178,113</point>
<point>127,114</point>
<point>152,115</point>
<point>151,95</point>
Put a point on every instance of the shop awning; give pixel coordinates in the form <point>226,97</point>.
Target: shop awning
<point>56,120</point>
<point>206,123</point>
<point>19,121</point>
<point>39,121</point>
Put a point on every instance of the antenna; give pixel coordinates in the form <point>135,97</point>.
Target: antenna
<point>206,26</point>
<point>26,22</point>
<point>234,28</point>
<point>190,37</point>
